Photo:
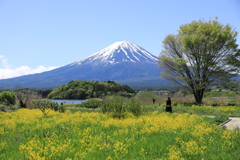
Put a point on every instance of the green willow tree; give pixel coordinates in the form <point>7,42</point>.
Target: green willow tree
<point>202,53</point>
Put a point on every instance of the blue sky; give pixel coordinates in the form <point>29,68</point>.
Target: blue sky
<point>40,35</point>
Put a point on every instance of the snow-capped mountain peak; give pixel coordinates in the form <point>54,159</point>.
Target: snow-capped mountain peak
<point>122,51</point>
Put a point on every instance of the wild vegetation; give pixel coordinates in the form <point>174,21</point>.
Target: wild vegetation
<point>83,135</point>
<point>24,97</point>
<point>90,89</point>
<point>7,99</point>
<point>90,103</point>
<point>117,127</point>
<point>46,105</point>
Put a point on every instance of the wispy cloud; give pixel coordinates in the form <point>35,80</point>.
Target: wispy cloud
<point>9,72</point>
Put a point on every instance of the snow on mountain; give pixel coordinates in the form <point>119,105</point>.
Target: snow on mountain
<point>122,51</point>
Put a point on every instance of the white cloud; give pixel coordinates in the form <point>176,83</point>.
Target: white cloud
<point>4,62</point>
<point>8,72</point>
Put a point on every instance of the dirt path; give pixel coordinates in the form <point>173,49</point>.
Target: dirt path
<point>232,123</point>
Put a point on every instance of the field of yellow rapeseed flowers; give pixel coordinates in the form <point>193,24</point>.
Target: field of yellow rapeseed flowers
<point>27,134</point>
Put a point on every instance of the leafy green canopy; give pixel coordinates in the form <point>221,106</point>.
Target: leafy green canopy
<point>7,98</point>
<point>202,53</point>
<point>89,89</point>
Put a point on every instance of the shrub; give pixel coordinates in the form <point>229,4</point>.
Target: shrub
<point>135,107</point>
<point>120,107</point>
<point>45,105</point>
<point>91,103</point>
<point>61,109</point>
<point>8,98</point>
<point>22,104</point>
<point>232,103</point>
<point>114,105</point>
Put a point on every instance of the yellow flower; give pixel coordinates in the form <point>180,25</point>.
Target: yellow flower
<point>174,153</point>
<point>109,158</point>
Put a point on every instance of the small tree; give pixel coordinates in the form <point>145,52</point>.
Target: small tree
<point>202,53</point>
<point>26,95</point>
<point>46,105</point>
<point>8,98</point>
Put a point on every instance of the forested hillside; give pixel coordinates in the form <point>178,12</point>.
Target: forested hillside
<point>89,89</point>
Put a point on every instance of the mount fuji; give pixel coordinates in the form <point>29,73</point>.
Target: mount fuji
<point>123,62</point>
<point>123,51</point>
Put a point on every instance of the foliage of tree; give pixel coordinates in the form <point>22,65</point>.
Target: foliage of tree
<point>202,53</point>
<point>44,93</point>
<point>90,89</point>
<point>7,98</point>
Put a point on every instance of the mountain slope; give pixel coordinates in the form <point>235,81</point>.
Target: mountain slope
<point>122,62</point>
<point>123,51</point>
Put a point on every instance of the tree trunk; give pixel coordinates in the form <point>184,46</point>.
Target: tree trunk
<point>198,95</point>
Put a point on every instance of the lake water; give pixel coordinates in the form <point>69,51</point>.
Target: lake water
<point>67,101</point>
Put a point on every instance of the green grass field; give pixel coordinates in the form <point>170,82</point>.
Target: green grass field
<point>84,134</point>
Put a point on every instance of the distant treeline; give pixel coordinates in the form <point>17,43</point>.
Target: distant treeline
<point>80,89</point>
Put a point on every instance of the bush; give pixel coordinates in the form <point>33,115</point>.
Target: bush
<point>7,98</point>
<point>135,107</point>
<point>120,107</point>
<point>45,105</point>
<point>61,109</point>
<point>22,104</point>
<point>91,103</point>
<point>114,105</point>
<point>57,107</point>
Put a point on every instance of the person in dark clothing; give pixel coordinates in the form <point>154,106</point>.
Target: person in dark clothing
<point>168,105</point>
<point>153,100</point>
